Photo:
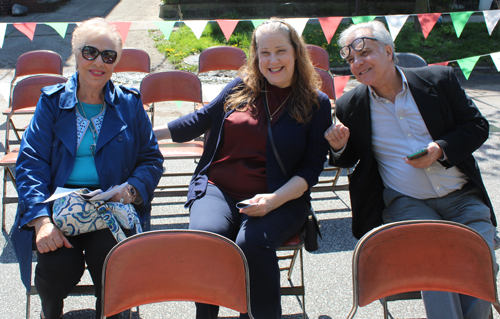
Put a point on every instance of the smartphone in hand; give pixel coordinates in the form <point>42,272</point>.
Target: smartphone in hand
<point>243,204</point>
<point>418,154</point>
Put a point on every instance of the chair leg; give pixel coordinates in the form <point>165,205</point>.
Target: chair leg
<point>4,193</point>
<point>28,305</point>
<point>301,256</point>
<point>386,309</point>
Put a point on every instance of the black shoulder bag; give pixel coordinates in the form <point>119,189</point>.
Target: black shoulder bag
<point>310,230</point>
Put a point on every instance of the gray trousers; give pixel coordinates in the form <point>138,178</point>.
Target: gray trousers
<point>463,206</point>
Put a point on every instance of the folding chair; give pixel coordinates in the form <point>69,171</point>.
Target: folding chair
<point>24,98</point>
<point>175,265</point>
<point>319,57</point>
<point>422,255</point>
<point>173,86</point>
<point>409,60</point>
<point>295,247</point>
<point>220,58</point>
<point>32,63</point>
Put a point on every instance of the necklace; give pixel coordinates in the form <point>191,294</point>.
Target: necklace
<point>283,103</point>
<point>92,127</point>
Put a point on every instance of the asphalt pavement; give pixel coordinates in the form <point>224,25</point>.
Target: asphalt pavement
<point>327,271</point>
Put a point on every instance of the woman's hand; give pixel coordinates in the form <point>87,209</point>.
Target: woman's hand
<point>337,135</point>
<point>127,195</point>
<point>48,236</point>
<point>261,205</point>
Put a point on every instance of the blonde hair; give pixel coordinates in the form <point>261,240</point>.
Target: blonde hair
<point>95,27</point>
<point>305,81</point>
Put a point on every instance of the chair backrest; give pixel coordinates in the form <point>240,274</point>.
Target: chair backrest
<point>327,84</point>
<point>175,265</point>
<point>39,62</point>
<point>422,255</point>
<point>221,58</point>
<point>133,60</point>
<point>26,93</point>
<point>409,60</point>
<point>319,56</point>
<point>171,86</point>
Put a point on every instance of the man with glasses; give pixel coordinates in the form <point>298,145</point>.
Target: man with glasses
<point>394,113</point>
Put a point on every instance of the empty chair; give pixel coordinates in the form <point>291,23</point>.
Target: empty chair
<point>409,60</point>
<point>319,57</point>
<point>327,84</point>
<point>175,265</point>
<point>422,255</point>
<point>24,98</point>
<point>133,60</point>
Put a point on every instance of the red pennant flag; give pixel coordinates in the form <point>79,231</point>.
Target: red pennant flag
<point>227,27</point>
<point>27,28</point>
<point>340,83</point>
<point>329,26</point>
<point>427,22</point>
<point>441,63</point>
<point>123,27</point>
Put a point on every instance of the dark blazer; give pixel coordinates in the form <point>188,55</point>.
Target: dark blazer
<point>453,121</point>
<point>302,147</point>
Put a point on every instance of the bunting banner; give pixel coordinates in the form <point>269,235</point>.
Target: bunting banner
<point>123,27</point>
<point>340,82</point>
<point>298,24</point>
<point>3,27</point>
<point>60,27</point>
<point>27,28</point>
<point>197,26</point>
<point>5,91</point>
<point>329,26</point>
<point>165,27</point>
<point>178,103</point>
<point>440,63</point>
<point>459,20</point>
<point>491,18</point>
<point>362,19</point>
<point>395,24</point>
<point>257,22</point>
<point>496,59</point>
<point>467,65</point>
<point>427,22</point>
<point>227,27</point>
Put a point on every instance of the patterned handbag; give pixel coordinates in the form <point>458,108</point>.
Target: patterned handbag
<point>74,215</point>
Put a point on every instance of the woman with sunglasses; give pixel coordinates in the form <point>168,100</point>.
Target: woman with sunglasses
<point>86,133</point>
<point>275,98</point>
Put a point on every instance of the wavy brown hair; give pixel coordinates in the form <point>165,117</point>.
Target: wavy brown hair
<point>305,80</point>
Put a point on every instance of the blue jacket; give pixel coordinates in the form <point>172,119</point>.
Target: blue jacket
<point>302,147</point>
<point>127,150</point>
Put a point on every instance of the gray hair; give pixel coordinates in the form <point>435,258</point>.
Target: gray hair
<point>95,27</point>
<point>379,32</point>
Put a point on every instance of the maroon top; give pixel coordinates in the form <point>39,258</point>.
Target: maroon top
<point>239,166</point>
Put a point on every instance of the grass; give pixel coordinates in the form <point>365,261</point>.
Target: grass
<point>441,45</point>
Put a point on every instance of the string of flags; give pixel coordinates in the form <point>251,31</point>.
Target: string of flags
<point>329,26</point>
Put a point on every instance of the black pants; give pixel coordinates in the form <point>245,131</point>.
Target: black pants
<point>58,272</point>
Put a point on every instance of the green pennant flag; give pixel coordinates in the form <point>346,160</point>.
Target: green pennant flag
<point>60,27</point>
<point>459,20</point>
<point>467,65</point>
<point>178,103</point>
<point>361,19</point>
<point>257,22</point>
<point>165,27</point>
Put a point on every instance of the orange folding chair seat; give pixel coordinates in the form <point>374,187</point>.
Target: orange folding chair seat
<point>175,265</point>
<point>25,96</point>
<point>421,255</point>
<point>319,57</point>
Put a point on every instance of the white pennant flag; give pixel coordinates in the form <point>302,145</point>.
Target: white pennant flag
<point>395,24</point>
<point>298,24</point>
<point>5,91</point>
<point>491,18</point>
<point>197,26</point>
<point>496,59</point>
<point>3,27</point>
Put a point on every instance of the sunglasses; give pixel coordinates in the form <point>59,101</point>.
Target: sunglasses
<point>357,45</point>
<point>91,53</point>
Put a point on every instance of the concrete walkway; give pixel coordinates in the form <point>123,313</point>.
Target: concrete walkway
<point>327,271</point>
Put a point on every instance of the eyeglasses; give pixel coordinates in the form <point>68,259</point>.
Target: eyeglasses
<point>357,45</point>
<point>91,53</point>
